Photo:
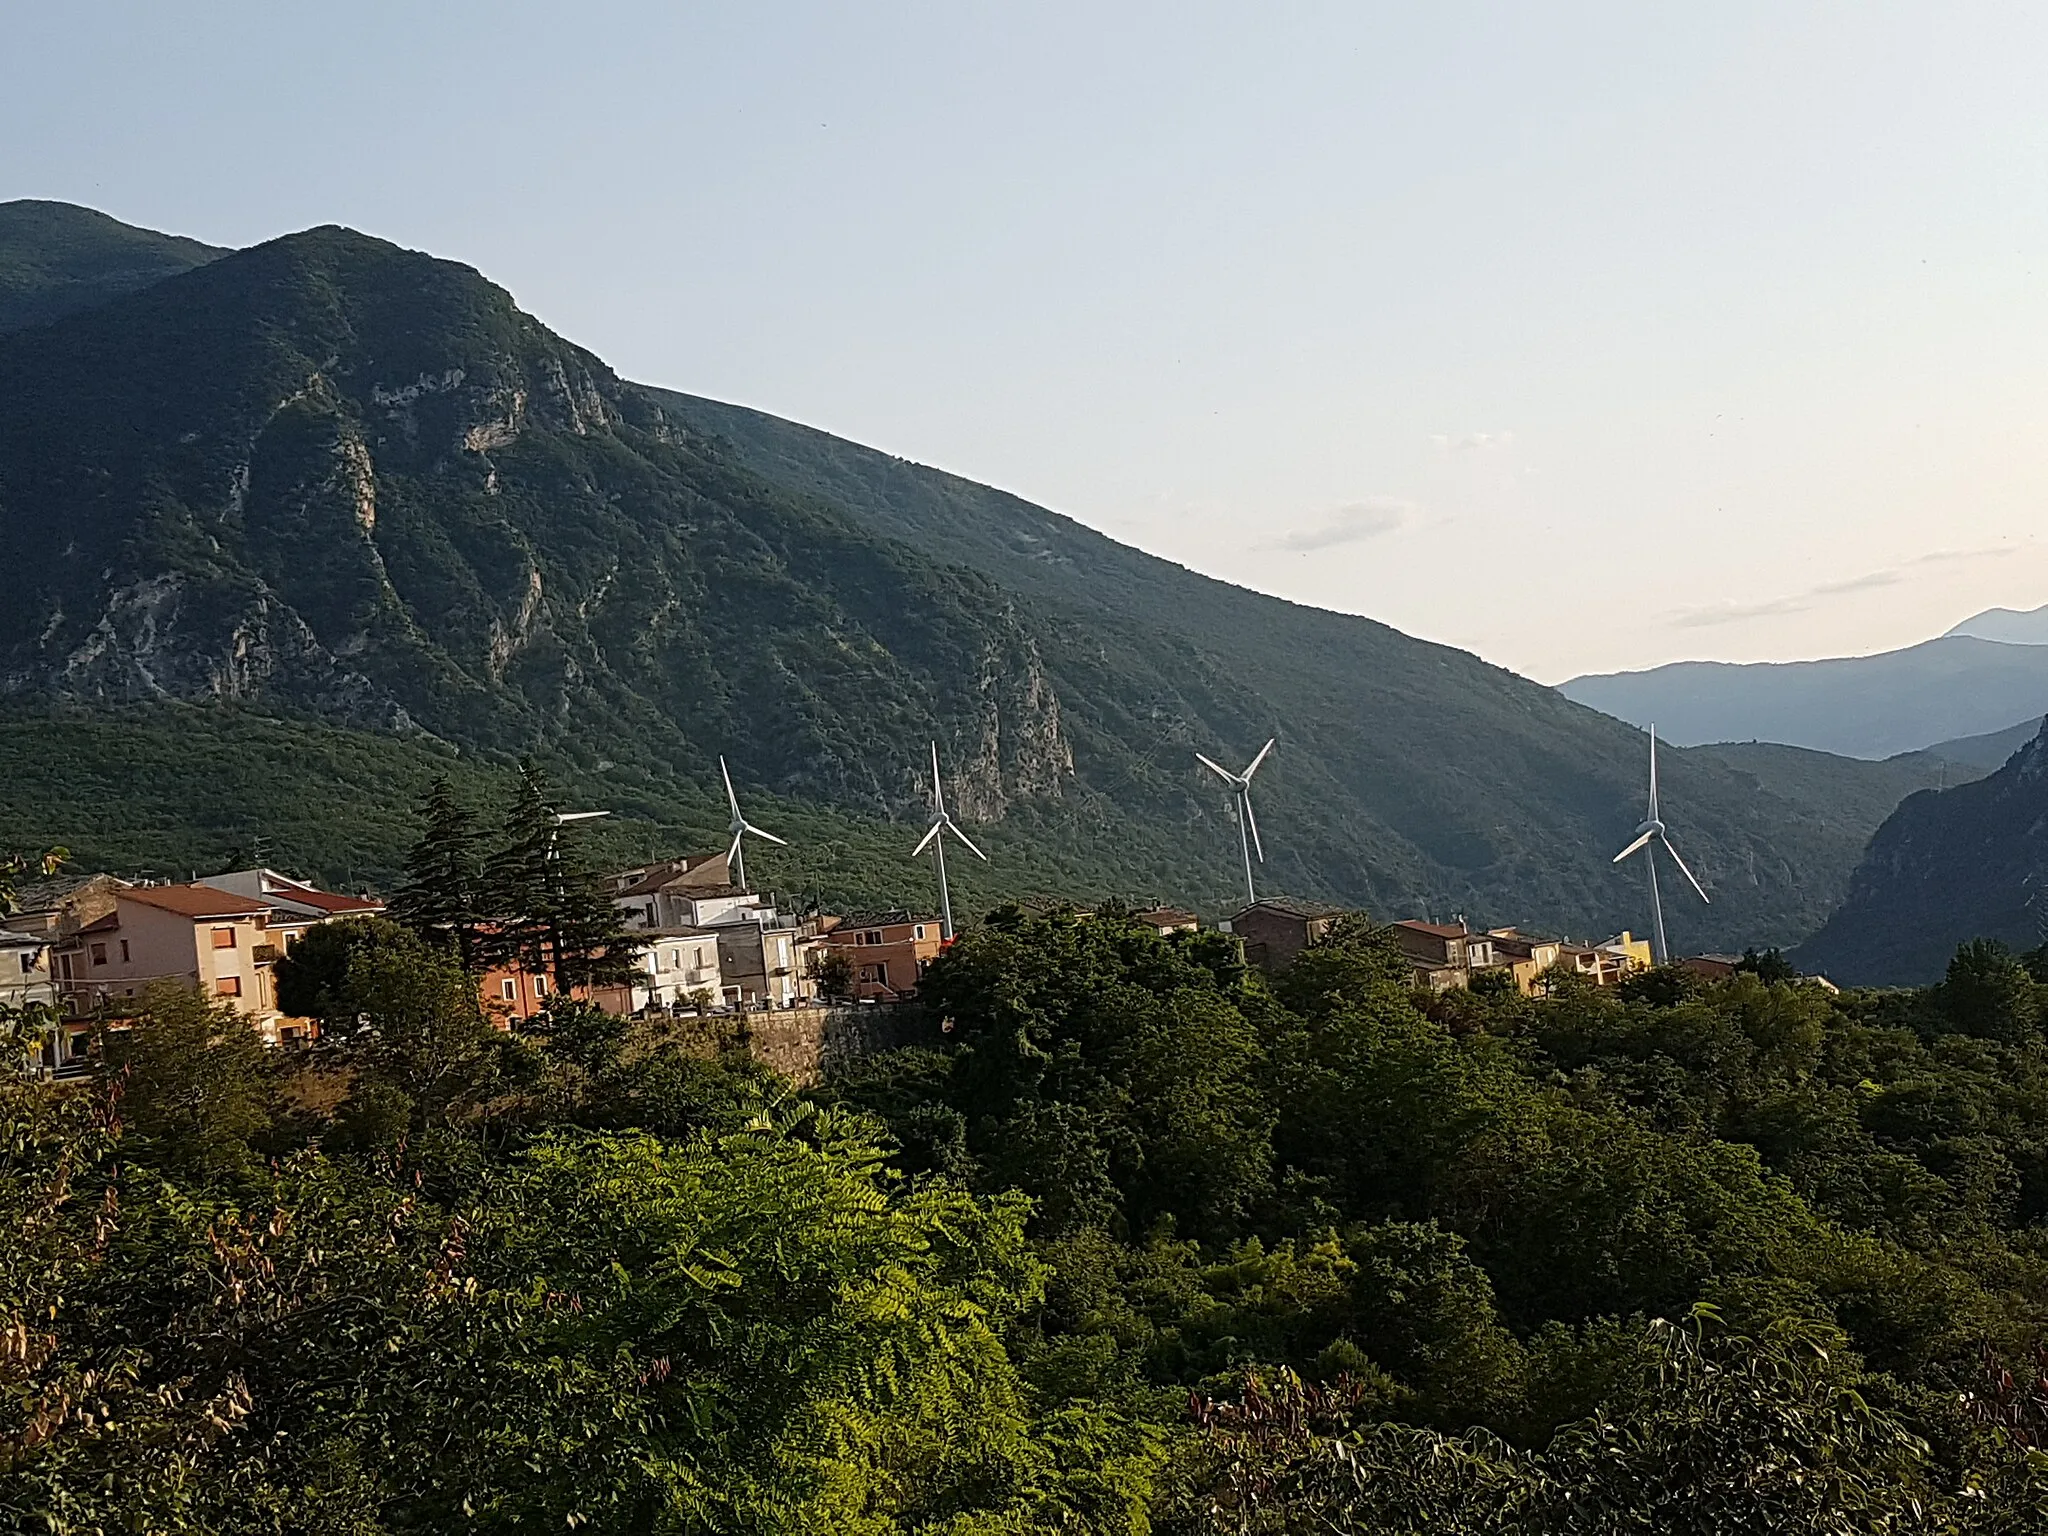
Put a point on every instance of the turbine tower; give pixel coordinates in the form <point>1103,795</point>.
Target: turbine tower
<point>1247,824</point>
<point>1650,836</point>
<point>935,839</point>
<point>740,828</point>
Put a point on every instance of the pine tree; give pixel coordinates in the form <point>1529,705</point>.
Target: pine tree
<point>547,911</point>
<point>439,900</point>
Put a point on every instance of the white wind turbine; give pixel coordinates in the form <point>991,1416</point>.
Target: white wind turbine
<point>935,839</point>
<point>740,828</point>
<point>1650,836</point>
<point>1247,824</point>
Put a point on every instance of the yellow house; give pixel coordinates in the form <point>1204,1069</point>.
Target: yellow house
<point>215,941</point>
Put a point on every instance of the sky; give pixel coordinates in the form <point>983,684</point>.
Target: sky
<point>1585,337</point>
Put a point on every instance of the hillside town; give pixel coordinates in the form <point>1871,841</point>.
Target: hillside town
<point>86,947</point>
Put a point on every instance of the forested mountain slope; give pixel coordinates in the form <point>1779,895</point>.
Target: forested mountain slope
<point>330,477</point>
<point>1947,866</point>
<point>57,258</point>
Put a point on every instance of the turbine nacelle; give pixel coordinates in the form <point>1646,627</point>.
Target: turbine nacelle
<point>1247,824</point>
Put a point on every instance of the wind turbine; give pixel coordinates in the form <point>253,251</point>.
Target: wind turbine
<point>739,827</point>
<point>1650,836</point>
<point>935,839</point>
<point>1247,824</point>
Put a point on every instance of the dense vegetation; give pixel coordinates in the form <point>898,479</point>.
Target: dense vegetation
<point>1150,1244</point>
<point>57,258</point>
<point>1942,868</point>
<point>328,479</point>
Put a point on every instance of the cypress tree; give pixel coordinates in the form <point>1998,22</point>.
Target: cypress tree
<point>439,899</point>
<point>548,912</point>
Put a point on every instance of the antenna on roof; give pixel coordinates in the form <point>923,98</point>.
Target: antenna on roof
<point>1650,836</point>
<point>935,839</point>
<point>1241,800</point>
<point>740,828</point>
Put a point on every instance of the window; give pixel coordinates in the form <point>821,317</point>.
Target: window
<point>540,986</point>
<point>509,990</point>
<point>124,951</point>
<point>28,960</point>
<point>872,936</point>
<point>223,938</point>
<point>99,954</point>
<point>918,932</point>
<point>227,986</point>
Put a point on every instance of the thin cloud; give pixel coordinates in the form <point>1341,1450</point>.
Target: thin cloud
<point>1710,614</point>
<point>1471,442</point>
<point>1352,524</point>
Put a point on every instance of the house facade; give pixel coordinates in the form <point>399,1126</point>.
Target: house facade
<point>888,951</point>
<point>195,936</point>
<point>678,971</point>
<point>1275,929</point>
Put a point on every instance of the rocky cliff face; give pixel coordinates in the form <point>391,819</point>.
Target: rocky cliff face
<point>1949,865</point>
<point>337,477</point>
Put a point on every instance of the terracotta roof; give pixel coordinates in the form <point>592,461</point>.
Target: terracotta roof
<point>892,919</point>
<point>195,901</point>
<point>1438,930</point>
<point>1296,906</point>
<point>329,901</point>
<point>656,877</point>
<point>1162,916</point>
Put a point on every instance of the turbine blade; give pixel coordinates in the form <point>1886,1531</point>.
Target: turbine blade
<point>1251,822</point>
<point>1687,873</point>
<point>1635,847</point>
<point>777,841</point>
<point>1260,758</point>
<point>1653,773</point>
<point>936,828</point>
<point>731,799</point>
<point>965,840</point>
<point>732,853</point>
<point>1216,768</point>
<point>938,789</point>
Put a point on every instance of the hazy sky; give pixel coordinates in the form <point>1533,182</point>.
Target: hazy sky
<point>1585,336</point>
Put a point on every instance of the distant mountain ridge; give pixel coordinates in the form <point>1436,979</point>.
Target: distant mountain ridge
<point>57,259</point>
<point>1857,706</point>
<point>2007,625</point>
<point>329,477</point>
<point>1963,863</point>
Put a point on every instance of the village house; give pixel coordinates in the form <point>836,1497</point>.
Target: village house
<point>766,964</point>
<point>691,892</point>
<point>27,983</point>
<point>190,935</point>
<point>887,951</point>
<point>678,971</point>
<point>1524,957</point>
<point>1442,956</point>
<point>1167,920</point>
<point>1277,928</point>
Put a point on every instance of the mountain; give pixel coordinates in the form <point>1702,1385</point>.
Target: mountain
<point>340,483</point>
<point>1856,706</point>
<point>2008,625</point>
<point>57,259</point>
<point>1946,866</point>
<point>1980,755</point>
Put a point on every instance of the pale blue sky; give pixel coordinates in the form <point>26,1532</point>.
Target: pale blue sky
<point>1585,336</point>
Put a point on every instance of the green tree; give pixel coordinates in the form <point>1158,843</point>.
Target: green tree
<point>190,1077</point>
<point>440,899</point>
<point>546,911</point>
